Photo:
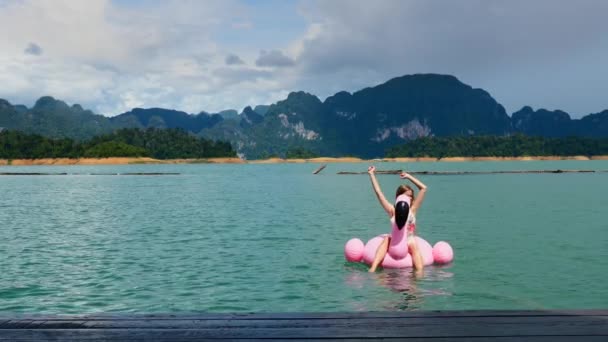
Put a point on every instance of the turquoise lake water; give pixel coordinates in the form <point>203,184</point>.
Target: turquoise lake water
<point>236,238</point>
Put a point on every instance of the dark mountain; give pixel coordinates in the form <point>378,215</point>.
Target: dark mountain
<point>440,102</point>
<point>9,115</point>
<point>261,109</point>
<point>229,114</point>
<point>559,124</point>
<point>282,127</point>
<point>291,123</point>
<point>20,108</point>
<point>53,118</point>
<point>409,107</point>
<point>249,118</point>
<point>592,125</point>
<point>165,118</point>
<point>300,115</point>
<point>365,123</point>
<point>542,122</point>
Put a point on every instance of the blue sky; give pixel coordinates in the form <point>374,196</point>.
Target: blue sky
<point>111,55</point>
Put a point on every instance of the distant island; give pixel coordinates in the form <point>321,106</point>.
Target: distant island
<point>423,114</point>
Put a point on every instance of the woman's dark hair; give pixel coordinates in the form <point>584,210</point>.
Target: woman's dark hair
<point>402,211</point>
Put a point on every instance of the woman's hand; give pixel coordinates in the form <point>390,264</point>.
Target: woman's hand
<point>405,175</point>
<point>371,170</point>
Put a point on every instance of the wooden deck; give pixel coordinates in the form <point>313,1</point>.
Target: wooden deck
<point>569,325</point>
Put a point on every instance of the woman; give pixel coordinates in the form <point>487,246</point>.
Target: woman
<point>402,215</point>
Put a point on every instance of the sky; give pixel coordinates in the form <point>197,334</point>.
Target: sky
<point>113,55</point>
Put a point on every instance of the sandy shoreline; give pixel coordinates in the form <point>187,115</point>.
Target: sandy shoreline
<point>126,161</point>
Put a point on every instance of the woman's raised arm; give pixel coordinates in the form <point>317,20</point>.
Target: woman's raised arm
<point>385,204</point>
<point>419,198</point>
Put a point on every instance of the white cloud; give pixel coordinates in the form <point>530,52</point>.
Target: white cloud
<point>21,77</point>
<point>110,56</point>
<point>233,59</point>
<point>502,46</point>
<point>273,58</point>
<point>33,49</point>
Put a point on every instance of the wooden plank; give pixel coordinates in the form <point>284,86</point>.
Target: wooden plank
<point>50,324</point>
<point>476,339</point>
<point>319,169</point>
<point>346,328</point>
<point>127,336</point>
<point>442,325</point>
<point>448,331</point>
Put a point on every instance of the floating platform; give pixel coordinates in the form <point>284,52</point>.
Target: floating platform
<point>396,172</point>
<point>429,326</point>
<point>87,174</point>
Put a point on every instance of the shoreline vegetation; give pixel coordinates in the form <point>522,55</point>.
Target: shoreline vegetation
<point>234,160</point>
<point>165,144</point>
<point>176,146</point>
